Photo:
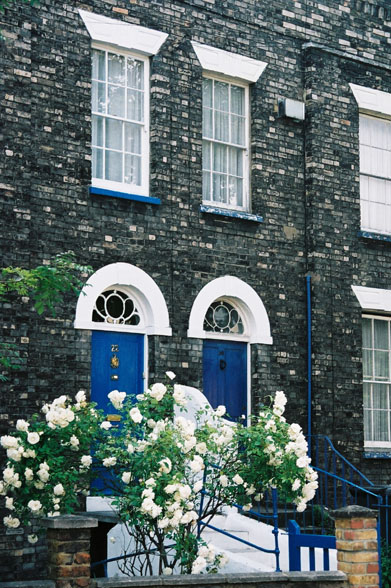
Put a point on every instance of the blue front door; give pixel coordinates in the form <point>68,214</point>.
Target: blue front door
<point>117,364</point>
<point>225,375</point>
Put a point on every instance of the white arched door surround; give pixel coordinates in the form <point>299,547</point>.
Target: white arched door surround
<point>244,298</point>
<point>139,285</point>
<point>226,347</point>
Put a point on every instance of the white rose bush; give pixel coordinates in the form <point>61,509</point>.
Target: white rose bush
<point>166,474</point>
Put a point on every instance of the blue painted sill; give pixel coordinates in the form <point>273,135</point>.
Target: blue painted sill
<point>124,195</point>
<point>231,213</point>
<point>374,236</point>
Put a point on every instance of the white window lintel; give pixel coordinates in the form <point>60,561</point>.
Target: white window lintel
<point>370,100</point>
<point>373,298</point>
<point>123,34</point>
<point>229,64</point>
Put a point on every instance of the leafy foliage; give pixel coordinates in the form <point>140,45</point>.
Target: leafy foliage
<point>46,284</point>
<point>6,3</point>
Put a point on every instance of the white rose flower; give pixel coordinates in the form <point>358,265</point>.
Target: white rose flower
<point>58,490</point>
<point>220,411</point>
<point>199,564</point>
<point>33,438</point>
<point>34,505</point>
<point>86,461</point>
<point>9,442</point>
<point>301,506</point>
<point>237,479</point>
<point>130,448</point>
<point>167,571</point>
<point>39,485</point>
<point>197,464</point>
<point>22,425</point>
<point>171,376</point>
<point>11,522</point>
<point>184,491</point>
<point>32,539</point>
<point>113,540</point>
<point>28,474</point>
<point>117,398</point>
<point>158,391</point>
<point>81,397</point>
<point>189,444</point>
<point>109,461</point>
<point>296,485</point>
<point>126,477</point>
<point>201,448</point>
<point>135,415</point>
<point>179,395</point>
<point>29,453</point>
<point>14,454</point>
<point>303,461</point>
<point>165,465</point>
<point>171,488</point>
<point>9,503</point>
<point>105,425</point>
<point>294,431</point>
<point>198,486</point>
<point>247,507</point>
<point>74,441</point>
<point>43,475</point>
<point>223,480</point>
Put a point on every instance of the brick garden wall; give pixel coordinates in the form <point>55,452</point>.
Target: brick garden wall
<point>304,182</point>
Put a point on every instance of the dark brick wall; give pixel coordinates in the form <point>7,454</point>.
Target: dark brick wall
<point>304,182</point>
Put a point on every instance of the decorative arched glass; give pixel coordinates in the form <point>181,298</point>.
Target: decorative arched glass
<point>222,317</point>
<point>116,308</point>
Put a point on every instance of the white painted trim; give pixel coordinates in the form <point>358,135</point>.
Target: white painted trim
<point>229,64</point>
<point>249,403</point>
<point>248,301</point>
<point>123,34</point>
<point>370,100</point>
<point>147,293</point>
<point>373,298</point>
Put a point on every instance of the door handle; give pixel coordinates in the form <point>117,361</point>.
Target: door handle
<point>223,364</point>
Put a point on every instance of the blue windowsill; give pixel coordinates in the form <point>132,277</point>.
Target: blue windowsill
<point>377,454</point>
<point>374,236</point>
<point>231,213</point>
<point>124,195</point>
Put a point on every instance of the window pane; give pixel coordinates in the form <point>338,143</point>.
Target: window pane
<point>381,365</point>
<point>97,131</point>
<point>221,96</point>
<point>113,167</point>
<point>206,188</point>
<point>207,123</point>
<point>219,188</point>
<point>97,163</point>
<point>135,71</point>
<point>133,138</point>
<point>98,97</point>
<point>116,69</point>
<point>237,130</point>
<point>380,396</point>
<point>381,334</point>
<point>221,130</point>
<point>368,431</point>
<point>380,425</point>
<point>206,154</point>
<point>237,100</point>
<point>367,364</point>
<point>235,189</point>
<point>114,134</point>
<point>220,158</point>
<point>207,86</point>
<point>133,169</point>
<point>98,65</point>
<point>236,162</point>
<point>135,105</point>
<point>116,101</point>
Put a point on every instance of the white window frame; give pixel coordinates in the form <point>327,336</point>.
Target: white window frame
<point>379,444</point>
<point>373,104</point>
<point>246,148</point>
<point>143,189</point>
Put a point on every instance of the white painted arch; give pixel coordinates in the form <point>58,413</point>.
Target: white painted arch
<point>243,296</point>
<point>147,295</point>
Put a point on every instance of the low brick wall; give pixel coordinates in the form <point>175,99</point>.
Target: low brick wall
<point>257,580</point>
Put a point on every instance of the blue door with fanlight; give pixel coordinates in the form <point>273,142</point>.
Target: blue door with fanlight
<point>225,375</point>
<point>117,364</point>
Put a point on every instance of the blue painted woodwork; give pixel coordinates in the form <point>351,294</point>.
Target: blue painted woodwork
<point>128,348</point>
<point>374,236</point>
<point>124,195</point>
<point>225,375</point>
<point>231,213</point>
<point>297,540</point>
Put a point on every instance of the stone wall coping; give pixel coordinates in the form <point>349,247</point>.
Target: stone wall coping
<point>258,578</point>
<point>70,522</point>
<point>354,511</point>
<point>29,584</point>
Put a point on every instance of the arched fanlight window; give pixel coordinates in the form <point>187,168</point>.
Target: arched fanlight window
<point>222,317</point>
<point>116,308</point>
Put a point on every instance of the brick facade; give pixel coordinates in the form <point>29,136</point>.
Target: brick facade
<point>304,183</point>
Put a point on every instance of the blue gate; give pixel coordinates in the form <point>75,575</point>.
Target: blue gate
<point>225,375</point>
